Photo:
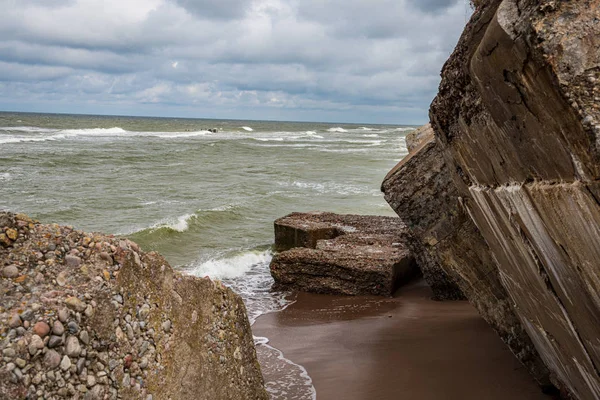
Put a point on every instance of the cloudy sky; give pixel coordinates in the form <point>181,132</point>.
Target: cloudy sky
<point>309,60</point>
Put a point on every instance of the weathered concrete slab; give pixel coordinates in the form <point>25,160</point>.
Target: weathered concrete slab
<point>341,254</point>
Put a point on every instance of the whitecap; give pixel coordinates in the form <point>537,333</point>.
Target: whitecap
<point>247,128</point>
<point>27,129</point>
<point>176,135</point>
<point>180,224</point>
<point>404,129</point>
<point>338,129</point>
<point>5,176</point>
<point>371,135</point>
<point>95,132</point>
<point>233,267</point>
<point>278,139</point>
<point>364,128</point>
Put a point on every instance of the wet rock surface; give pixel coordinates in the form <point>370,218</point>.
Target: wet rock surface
<point>516,122</point>
<point>91,316</point>
<point>341,254</point>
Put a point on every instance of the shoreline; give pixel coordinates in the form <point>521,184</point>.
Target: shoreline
<point>368,347</point>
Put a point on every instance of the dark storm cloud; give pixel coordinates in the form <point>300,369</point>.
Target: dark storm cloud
<point>262,58</point>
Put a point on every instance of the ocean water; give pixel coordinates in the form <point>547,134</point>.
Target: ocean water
<point>206,201</point>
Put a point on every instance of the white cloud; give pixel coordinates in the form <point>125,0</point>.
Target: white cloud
<point>368,59</point>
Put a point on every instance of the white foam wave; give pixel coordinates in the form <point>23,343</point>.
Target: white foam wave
<point>247,128</point>
<point>233,267</point>
<point>294,383</point>
<point>277,139</point>
<point>95,132</point>
<point>314,134</point>
<point>14,139</point>
<point>404,129</point>
<point>364,128</point>
<point>330,187</point>
<point>27,129</point>
<point>5,176</point>
<point>371,135</point>
<point>337,129</point>
<point>179,224</point>
<point>176,135</point>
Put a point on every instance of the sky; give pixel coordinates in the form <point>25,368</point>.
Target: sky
<point>370,61</point>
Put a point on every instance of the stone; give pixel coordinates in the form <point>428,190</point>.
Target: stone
<point>65,363</point>
<point>10,271</point>
<point>63,314</point>
<point>144,311</point>
<point>9,352</point>
<point>84,337</point>
<point>341,254</point>
<point>55,341</point>
<point>72,347</point>
<point>82,356</point>
<point>414,138</point>
<point>166,326</point>
<point>15,321</point>
<point>41,329</point>
<point>27,315</point>
<point>37,342</point>
<point>73,327</point>
<point>75,304</point>
<point>52,359</point>
<point>72,261</point>
<point>61,279</point>
<point>58,328</point>
<point>515,124</point>
<point>12,234</point>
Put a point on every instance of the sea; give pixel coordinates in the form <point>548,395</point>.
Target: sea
<point>202,192</point>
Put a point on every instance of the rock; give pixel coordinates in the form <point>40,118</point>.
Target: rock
<point>344,254</point>
<point>12,234</point>
<point>72,261</point>
<point>63,314</point>
<point>516,122</point>
<point>72,347</point>
<point>52,359</point>
<point>83,315</point>
<point>84,337</point>
<point>10,271</point>
<point>58,328</point>
<point>27,315</point>
<point>61,279</point>
<point>65,363</point>
<point>73,327</point>
<point>55,341</point>
<point>422,193</point>
<point>41,329</point>
<point>414,138</point>
<point>75,304</point>
<point>15,321</point>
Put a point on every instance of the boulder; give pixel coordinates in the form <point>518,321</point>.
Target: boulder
<point>192,340</point>
<point>341,254</point>
<point>518,125</point>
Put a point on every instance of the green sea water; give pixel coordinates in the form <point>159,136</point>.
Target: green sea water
<point>204,200</point>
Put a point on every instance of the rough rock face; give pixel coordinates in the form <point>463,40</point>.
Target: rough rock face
<point>451,253</point>
<point>341,254</point>
<point>91,316</point>
<point>518,121</point>
<point>416,137</point>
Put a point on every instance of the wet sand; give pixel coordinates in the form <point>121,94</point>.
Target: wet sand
<point>405,347</point>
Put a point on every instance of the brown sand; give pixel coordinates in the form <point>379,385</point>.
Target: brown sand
<point>407,347</point>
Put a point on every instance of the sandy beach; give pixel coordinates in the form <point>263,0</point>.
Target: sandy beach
<point>405,347</point>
